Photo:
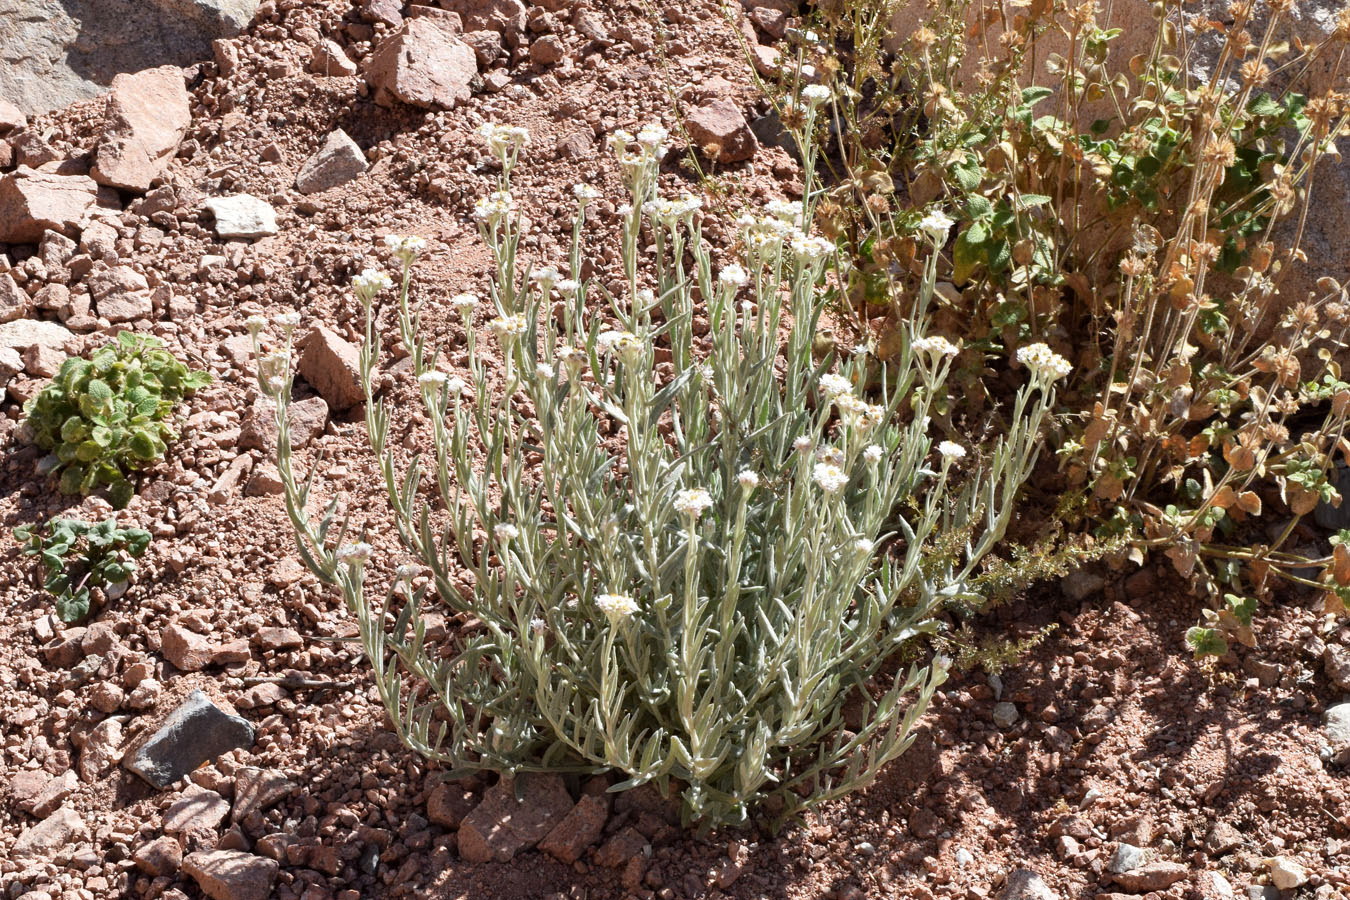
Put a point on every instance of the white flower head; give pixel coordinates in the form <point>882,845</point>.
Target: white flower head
<point>832,455</point>
<point>543,370</point>
<point>803,445</point>
<point>508,328</point>
<point>354,554</point>
<point>815,94</point>
<point>405,247</point>
<point>287,321</point>
<point>493,208</point>
<point>503,141</point>
<point>830,477</point>
<point>616,606</point>
<point>809,249</point>
<point>692,502</point>
<point>571,358</point>
<point>732,276</point>
<point>863,546</point>
<point>568,287</point>
<point>546,277</point>
<point>369,283</point>
<point>433,380</point>
<point>464,303</point>
<point>505,532</point>
<point>255,324</point>
<point>1045,364</point>
<point>538,626</point>
<point>748,479</point>
<point>936,225</point>
<point>623,344</point>
<point>833,385</point>
<point>456,385</point>
<point>935,346</point>
<point>951,451</point>
<point>585,193</point>
<point>784,211</point>
<point>872,454</point>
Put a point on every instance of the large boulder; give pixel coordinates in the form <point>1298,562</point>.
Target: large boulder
<point>57,52</point>
<point>147,115</point>
<point>422,65</point>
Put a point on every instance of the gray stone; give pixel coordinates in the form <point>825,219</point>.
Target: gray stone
<point>1024,884</point>
<point>1337,723</point>
<point>1127,858</point>
<point>1005,714</point>
<point>337,162</point>
<point>242,216</point>
<point>196,732</point>
<point>57,52</point>
<point>1080,584</point>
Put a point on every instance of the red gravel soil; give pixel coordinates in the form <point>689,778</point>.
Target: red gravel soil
<point>1119,736</point>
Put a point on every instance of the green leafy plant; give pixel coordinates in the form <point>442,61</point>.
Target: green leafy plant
<point>690,548</point>
<point>104,417</point>
<point>79,558</point>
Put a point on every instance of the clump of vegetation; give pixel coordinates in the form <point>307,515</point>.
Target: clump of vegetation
<point>689,554</point>
<point>81,560</point>
<point>104,417</point>
<point>1136,218</point>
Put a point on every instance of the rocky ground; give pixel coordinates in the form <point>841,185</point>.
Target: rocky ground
<point>211,733</point>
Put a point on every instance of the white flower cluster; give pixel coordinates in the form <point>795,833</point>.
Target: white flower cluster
<point>616,606</point>
<point>624,344</point>
<point>369,283</point>
<point>493,208</point>
<point>545,277</point>
<point>830,477</point>
<point>815,94</point>
<point>833,385</point>
<point>503,140</point>
<point>287,321</point>
<point>936,225</point>
<point>354,554</point>
<point>747,479</point>
<point>433,380</point>
<point>508,328</point>
<point>1044,363</point>
<point>692,502</point>
<point>464,304</point>
<point>652,140</point>
<point>671,212</point>
<point>951,451</point>
<point>255,324</point>
<point>405,247</point>
<point>505,532</point>
<point>585,193</point>
<point>733,276</point>
<point>935,346</point>
<point>859,413</point>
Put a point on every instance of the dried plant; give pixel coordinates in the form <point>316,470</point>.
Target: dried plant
<point>1138,219</point>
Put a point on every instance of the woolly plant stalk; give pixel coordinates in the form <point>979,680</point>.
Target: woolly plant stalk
<point>683,578</point>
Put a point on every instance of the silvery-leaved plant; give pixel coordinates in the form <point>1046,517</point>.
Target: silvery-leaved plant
<point>695,602</point>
